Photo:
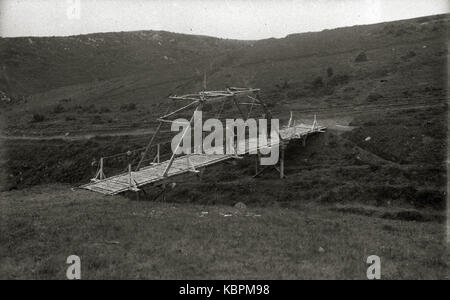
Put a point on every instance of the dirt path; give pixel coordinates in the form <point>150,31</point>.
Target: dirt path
<point>78,137</point>
<point>326,116</point>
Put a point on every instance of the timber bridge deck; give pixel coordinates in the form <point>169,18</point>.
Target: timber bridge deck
<point>160,172</point>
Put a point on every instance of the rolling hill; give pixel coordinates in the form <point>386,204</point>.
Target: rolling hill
<point>387,80</point>
<point>375,182</point>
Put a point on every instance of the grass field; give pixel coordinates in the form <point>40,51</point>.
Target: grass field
<point>119,238</point>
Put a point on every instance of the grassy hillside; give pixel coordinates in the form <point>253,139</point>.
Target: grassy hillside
<point>44,63</point>
<point>80,83</point>
<point>121,239</point>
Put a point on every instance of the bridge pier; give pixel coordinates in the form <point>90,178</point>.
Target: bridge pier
<point>257,158</point>
<point>279,169</point>
<point>282,147</point>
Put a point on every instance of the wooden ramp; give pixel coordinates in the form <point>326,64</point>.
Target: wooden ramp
<point>132,181</point>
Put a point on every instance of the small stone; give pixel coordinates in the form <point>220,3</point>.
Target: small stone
<point>321,250</point>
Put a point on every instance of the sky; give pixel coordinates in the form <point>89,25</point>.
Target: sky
<point>235,19</point>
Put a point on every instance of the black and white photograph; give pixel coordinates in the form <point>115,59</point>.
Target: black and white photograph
<point>224,147</point>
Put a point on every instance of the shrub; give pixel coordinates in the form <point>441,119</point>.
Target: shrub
<point>295,94</point>
<point>104,109</point>
<point>349,89</point>
<point>128,107</point>
<point>89,109</point>
<point>429,198</point>
<point>58,109</point>
<point>373,97</point>
<point>283,86</point>
<point>38,118</point>
<point>70,118</point>
<point>97,120</point>
<point>330,71</point>
<point>408,56</point>
<point>361,57</point>
<point>317,82</point>
<point>339,80</point>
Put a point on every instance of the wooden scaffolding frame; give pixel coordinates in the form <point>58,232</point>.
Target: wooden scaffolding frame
<point>133,180</point>
<point>196,102</point>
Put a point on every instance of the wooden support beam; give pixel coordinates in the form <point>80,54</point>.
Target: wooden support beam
<point>250,109</point>
<point>221,109</point>
<point>179,110</point>
<point>260,101</point>
<point>164,193</point>
<point>201,173</point>
<point>157,153</point>
<point>190,165</point>
<point>160,193</point>
<point>282,147</point>
<point>132,185</point>
<point>249,103</point>
<point>314,125</point>
<point>238,89</point>
<point>151,142</point>
<point>290,120</point>
<point>184,98</point>
<point>279,171</point>
<point>199,107</point>
<point>260,172</point>
<point>239,108</point>
<point>148,146</point>
<point>100,175</point>
<point>170,121</point>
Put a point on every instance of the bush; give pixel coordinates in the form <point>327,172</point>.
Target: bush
<point>339,80</point>
<point>317,82</point>
<point>128,107</point>
<point>104,109</point>
<point>408,56</point>
<point>38,118</point>
<point>58,109</point>
<point>98,120</point>
<point>296,94</point>
<point>282,86</point>
<point>349,89</point>
<point>361,57</point>
<point>373,97</point>
<point>70,118</point>
<point>429,198</point>
<point>89,109</point>
<point>330,71</point>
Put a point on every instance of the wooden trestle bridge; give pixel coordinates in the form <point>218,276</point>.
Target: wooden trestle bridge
<point>159,172</point>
